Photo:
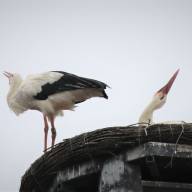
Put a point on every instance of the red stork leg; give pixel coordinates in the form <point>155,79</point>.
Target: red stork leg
<point>53,131</point>
<point>46,128</point>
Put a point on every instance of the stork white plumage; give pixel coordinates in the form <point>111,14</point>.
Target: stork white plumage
<point>158,100</point>
<point>51,93</point>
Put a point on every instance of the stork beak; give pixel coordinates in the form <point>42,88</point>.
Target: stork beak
<point>7,74</point>
<point>165,90</point>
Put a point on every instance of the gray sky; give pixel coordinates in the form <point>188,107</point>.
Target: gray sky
<point>132,45</point>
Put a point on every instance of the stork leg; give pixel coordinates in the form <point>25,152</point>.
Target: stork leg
<point>46,128</point>
<point>53,130</point>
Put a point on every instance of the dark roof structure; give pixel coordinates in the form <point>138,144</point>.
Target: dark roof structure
<point>162,152</point>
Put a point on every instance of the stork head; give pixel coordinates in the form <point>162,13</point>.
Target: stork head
<point>160,96</point>
<point>12,77</point>
<point>8,75</point>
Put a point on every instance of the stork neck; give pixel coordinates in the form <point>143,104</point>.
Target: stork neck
<point>148,112</point>
<point>147,115</point>
<point>151,107</point>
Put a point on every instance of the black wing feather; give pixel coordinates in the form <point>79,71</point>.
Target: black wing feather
<point>68,82</point>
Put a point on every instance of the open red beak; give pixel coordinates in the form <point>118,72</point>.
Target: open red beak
<point>165,90</point>
<point>7,74</point>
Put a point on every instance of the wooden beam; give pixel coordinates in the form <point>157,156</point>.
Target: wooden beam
<point>119,176</point>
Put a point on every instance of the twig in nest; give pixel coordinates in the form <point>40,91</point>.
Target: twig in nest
<point>145,129</point>
<point>159,129</point>
<point>175,151</point>
<point>70,144</point>
<point>171,129</point>
<point>84,138</point>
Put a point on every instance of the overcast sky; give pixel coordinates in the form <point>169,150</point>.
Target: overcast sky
<point>132,45</point>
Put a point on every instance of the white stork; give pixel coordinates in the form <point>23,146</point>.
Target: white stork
<point>157,102</point>
<point>50,93</point>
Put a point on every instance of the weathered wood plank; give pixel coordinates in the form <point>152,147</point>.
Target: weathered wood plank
<point>119,176</point>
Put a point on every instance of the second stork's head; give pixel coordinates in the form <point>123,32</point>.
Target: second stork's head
<point>157,102</point>
<point>160,96</point>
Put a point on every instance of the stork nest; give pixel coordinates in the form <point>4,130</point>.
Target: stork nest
<point>100,143</point>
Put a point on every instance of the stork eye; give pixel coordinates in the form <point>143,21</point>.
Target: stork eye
<point>162,98</point>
